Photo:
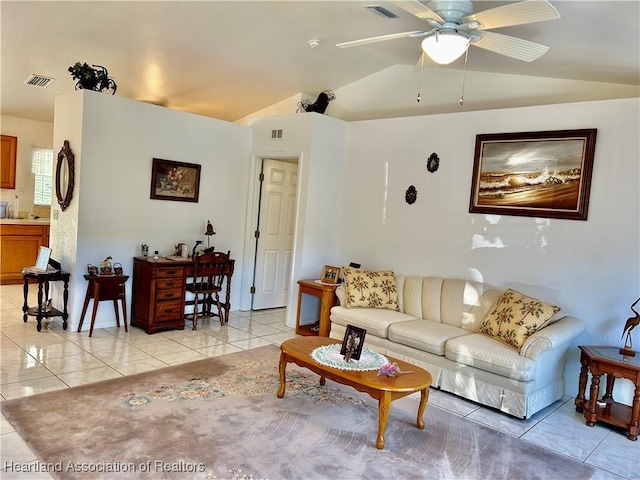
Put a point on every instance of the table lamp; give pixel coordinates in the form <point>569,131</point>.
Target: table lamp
<point>208,233</point>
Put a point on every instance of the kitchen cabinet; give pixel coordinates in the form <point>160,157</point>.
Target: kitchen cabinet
<point>19,245</point>
<point>8,149</point>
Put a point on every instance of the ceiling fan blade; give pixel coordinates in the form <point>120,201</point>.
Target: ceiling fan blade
<point>510,46</point>
<point>418,9</point>
<point>380,38</point>
<point>521,13</point>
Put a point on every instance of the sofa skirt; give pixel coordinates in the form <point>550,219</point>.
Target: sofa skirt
<point>516,398</point>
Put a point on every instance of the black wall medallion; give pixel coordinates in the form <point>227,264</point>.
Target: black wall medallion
<point>411,195</point>
<point>433,163</point>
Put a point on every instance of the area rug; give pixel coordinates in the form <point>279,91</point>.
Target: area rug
<point>220,419</point>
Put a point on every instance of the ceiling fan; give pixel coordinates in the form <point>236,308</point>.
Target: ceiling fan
<point>455,27</point>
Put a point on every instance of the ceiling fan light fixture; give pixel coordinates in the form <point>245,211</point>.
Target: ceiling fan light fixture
<point>445,47</point>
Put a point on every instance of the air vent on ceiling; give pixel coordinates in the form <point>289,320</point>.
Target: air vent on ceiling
<point>38,81</point>
<point>276,134</point>
<point>378,10</point>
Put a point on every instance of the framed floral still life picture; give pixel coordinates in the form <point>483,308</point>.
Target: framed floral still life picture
<point>533,174</point>
<point>177,181</point>
<point>330,275</point>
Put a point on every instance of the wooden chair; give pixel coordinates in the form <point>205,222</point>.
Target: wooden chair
<point>206,282</point>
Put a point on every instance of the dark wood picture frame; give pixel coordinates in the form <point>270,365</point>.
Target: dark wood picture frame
<point>177,181</point>
<point>534,174</point>
<point>358,335</point>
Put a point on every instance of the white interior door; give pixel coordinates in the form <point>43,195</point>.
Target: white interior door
<point>275,240</point>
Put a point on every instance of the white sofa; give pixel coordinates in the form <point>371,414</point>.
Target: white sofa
<point>435,328</point>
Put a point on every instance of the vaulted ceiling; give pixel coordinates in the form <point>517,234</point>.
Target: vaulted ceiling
<point>228,59</point>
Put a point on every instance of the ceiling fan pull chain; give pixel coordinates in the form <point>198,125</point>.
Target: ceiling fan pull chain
<point>464,76</point>
<point>419,97</point>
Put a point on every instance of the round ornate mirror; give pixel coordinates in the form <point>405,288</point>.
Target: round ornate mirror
<point>64,176</point>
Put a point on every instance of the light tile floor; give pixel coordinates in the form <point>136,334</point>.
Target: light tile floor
<point>34,362</point>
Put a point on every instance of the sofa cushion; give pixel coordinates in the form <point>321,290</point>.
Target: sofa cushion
<point>450,301</point>
<point>370,289</point>
<point>514,317</point>
<point>479,312</point>
<point>424,334</point>
<point>485,353</point>
<point>375,321</point>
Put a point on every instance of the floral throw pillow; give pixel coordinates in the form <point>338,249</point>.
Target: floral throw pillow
<point>371,289</point>
<point>514,317</point>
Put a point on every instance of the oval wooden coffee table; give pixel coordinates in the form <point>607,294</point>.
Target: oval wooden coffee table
<point>385,389</point>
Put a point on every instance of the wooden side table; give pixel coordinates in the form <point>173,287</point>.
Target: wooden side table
<point>608,360</point>
<point>105,287</point>
<point>327,296</point>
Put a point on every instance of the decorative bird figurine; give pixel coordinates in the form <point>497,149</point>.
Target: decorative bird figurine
<point>632,322</point>
<point>321,103</point>
<point>105,265</point>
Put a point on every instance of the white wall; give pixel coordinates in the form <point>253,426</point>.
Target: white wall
<point>590,268</point>
<point>30,134</point>
<point>115,140</point>
<point>319,142</point>
<point>283,107</point>
<point>64,226</point>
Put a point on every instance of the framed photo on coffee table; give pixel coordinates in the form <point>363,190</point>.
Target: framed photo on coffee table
<point>352,343</point>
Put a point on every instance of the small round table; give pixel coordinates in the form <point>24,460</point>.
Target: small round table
<point>105,287</point>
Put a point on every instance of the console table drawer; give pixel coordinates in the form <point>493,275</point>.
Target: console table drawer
<point>170,272</point>
<point>168,310</point>
<point>174,294</point>
<point>169,283</point>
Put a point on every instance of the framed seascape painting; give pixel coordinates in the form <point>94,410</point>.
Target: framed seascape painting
<point>533,174</point>
<point>177,181</point>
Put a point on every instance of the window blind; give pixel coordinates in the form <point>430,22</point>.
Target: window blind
<point>42,168</point>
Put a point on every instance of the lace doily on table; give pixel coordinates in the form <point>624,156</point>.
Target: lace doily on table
<point>329,355</point>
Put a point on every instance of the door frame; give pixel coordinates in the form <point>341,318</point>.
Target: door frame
<point>253,204</point>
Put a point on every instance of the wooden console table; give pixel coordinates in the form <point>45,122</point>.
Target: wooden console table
<point>326,293</point>
<point>43,310</point>
<point>105,287</point>
<point>158,292</point>
<point>608,360</point>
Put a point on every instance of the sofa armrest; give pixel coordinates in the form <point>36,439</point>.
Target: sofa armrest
<point>341,293</point>
<point>551,336</point>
